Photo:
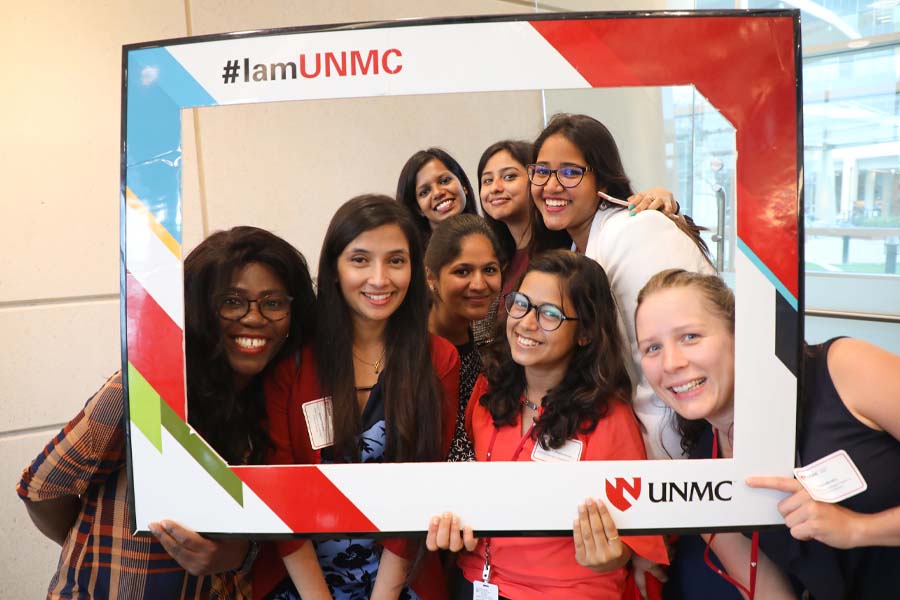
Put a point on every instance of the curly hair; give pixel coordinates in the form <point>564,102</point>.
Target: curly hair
<point>234,423</point>
<point>597,373</point>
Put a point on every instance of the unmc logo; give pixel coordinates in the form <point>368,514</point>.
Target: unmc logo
<point>616,493</point>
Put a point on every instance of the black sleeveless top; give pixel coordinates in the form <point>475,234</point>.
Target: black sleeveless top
<point>827,426</point>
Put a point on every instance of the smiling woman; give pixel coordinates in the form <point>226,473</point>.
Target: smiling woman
<point>463,269</point>
<point>392,391</point>
<point>845,547</point>
<point>248,301</point>
<point>433,186</point>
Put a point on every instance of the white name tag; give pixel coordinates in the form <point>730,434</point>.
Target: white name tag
<point>832,478</point>
<point>484,591</point>
<point>569,452</point>
<point>319,422</point>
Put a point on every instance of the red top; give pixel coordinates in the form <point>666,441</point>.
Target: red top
<point>294,382</point>
<point>537,568</point>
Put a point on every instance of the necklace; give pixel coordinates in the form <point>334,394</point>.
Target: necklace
<point>377,365</point>
<point>530,404</point>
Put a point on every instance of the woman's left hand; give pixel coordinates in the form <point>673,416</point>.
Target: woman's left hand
<point>810,519</point>
<point>656,198</point>
<point>597,543</point>
<point>197,554</point>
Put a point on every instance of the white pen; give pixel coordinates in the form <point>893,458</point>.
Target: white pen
<point>609,198</point>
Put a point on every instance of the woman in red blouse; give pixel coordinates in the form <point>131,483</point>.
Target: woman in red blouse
<point>558,385</point>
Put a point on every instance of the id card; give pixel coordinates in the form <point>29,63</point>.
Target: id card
<point>319,422</point>
<point>482,590</point>
<point>569,452</point>
<point>832,478</point>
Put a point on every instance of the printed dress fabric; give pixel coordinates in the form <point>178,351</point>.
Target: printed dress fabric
<point>351,565</point>
<point>348,565</point>
<point>470,367</point>
<point>100,557</point>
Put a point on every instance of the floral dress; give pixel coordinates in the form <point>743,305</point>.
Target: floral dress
<point>350,565</point>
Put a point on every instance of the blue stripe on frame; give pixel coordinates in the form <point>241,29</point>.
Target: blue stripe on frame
<point>785,293</point>
<point>158,88</point>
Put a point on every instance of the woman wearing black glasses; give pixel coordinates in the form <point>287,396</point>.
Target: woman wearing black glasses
<point>248,301</point>
<point>576,177</point>
<point>556,389</point>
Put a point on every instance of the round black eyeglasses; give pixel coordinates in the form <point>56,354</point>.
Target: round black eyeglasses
<point>274,307</point>
<point>550,317</point>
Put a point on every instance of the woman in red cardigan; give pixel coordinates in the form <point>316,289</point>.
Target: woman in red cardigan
<point>391,386</point>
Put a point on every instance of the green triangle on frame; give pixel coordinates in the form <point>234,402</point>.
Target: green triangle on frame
<point>202,453</point>
<point>151,413</point>
<point>144,407</point>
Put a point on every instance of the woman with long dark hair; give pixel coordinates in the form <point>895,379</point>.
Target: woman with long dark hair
<point>557,384</point>
<point>576,160</point>
<point>392,387</point>
<point>433,186</point>
<point>464,275</point>
<point>248,302</point>
<point>506,200</point>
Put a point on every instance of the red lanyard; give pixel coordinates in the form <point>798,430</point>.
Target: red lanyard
<point>754,545</point>
<point>486,571</point>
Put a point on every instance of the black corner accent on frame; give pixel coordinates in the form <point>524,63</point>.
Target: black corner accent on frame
<point>786,328</point>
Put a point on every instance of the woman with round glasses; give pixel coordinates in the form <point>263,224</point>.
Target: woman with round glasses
<point>248,301</point>
<point>433,186</point>
<point>557,387</point>
<point>576,170</point>
<point>392,390</point>
<point>506,200</point>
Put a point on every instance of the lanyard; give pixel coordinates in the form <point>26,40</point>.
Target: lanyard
<point>754,545</point>
<point>486,571</point>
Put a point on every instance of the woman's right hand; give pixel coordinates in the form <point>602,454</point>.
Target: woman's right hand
<point>443,534</point>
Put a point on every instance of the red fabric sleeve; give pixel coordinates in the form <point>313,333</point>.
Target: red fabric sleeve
<point>445,360</point>
<point>478,390</point>
<point>292,383</point>
<point>277,387</point>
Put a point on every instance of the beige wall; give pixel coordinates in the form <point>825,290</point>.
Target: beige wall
<point>60,165</point>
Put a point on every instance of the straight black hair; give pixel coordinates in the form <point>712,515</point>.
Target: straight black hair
<point>411,390</point>
<point>406,186</point>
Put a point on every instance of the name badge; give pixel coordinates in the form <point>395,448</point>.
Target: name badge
<point>481,590</point>
<point>569,452</point>
<point>832,478</point>
<point>319,422</point>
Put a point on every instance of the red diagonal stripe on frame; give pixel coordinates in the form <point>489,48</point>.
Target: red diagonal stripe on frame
<point>745,67</point>
<point>305,499</point>
<point>155,345</point>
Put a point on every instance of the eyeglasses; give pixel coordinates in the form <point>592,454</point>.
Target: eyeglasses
<point>549,316</point>
<point>568,177</point>
<point>273,307</point>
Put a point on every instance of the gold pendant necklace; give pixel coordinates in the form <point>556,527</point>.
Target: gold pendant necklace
<point>377,365</point>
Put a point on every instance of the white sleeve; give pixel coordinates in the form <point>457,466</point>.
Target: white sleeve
<point>632,250</point>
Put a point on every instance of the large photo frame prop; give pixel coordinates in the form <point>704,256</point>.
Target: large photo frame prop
<point>745,63</point>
